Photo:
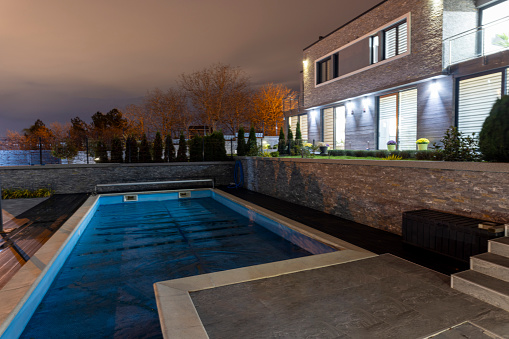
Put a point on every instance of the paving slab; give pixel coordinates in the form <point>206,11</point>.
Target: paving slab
<point>378,297</point>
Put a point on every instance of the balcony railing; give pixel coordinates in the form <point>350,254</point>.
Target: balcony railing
<point>477,42</point>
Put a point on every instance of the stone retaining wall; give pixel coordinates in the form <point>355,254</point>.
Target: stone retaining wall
<point>376,193</point>
<point>83,178</point>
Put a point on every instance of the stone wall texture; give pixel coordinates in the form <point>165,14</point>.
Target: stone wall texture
<point>83,178</point>
<point>376,193</point>
<point>424,61</point>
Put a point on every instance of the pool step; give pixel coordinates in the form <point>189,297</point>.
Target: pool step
<point>488,277</point>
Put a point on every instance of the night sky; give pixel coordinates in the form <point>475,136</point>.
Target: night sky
<point>61,59</point>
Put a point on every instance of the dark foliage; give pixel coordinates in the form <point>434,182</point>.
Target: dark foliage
<point>169,149</point>
<point>131,150</point>
<point>282,143</point>
<point>215,147</point>
<point>494,136</point>
<point>298,135</point>
<point>196,145</point>
<point>241,143</point>
<point>457,147</point>
<point>158,148</point>
<point>117,150</point>
<point>144,155</point>
<point>182,151</point>
<point>252,147</point>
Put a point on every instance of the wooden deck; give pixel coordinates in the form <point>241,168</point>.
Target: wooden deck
<point>31,229</point>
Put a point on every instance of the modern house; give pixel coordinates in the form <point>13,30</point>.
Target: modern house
<point>405,69</point>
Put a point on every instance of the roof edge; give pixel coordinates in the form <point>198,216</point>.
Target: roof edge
<point>337,29</point>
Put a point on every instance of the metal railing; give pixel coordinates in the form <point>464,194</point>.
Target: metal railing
<point>476,42</point>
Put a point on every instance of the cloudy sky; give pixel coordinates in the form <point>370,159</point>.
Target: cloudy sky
<point>60,59</point>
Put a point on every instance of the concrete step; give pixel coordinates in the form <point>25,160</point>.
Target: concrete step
<point>499,246</point>
<point>488,289</point>
<point>494,265</point>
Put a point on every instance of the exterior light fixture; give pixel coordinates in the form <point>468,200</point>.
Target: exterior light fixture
<point>434,86</point>
<point>305,63</point>
<point>365,104</point>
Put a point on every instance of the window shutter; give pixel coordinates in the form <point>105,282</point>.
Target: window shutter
<point>390,43</point>
<point>328,126</point>
<point>402,38</point>
<point>293,125</point>
<point>304,126</point>
<point>387,120</point>
<point>407,128</point>
<point>476,97</point>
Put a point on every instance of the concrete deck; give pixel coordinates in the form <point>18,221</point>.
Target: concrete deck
<point>377,297</point>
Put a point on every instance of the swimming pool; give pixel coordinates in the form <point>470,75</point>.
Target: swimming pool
<point>105,286</point>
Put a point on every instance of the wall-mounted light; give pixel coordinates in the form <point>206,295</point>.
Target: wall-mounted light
<point>305,63</point>
<point>365,104</point>
<point>349,107</point>
<point>434,86</point>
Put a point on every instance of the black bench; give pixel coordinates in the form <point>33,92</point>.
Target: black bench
<point>453,235</point>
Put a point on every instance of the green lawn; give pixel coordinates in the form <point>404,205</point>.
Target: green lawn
<point>339,157</point>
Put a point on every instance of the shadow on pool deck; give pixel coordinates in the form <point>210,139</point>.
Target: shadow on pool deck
<point>31,229</point>
<point>369,238</point>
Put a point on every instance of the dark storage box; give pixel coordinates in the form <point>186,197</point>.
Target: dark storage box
<point>449,234</point>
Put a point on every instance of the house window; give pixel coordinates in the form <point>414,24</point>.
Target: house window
<point>374,46</point>
<point>325,70</point>
<point>396,40</point>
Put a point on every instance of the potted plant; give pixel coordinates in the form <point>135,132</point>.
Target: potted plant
<point>391,145</point>
<point>422,144</point>
<point>323,148</point>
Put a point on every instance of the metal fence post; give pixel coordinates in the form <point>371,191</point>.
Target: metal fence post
<point>86,139</point>
<point>40,151</point>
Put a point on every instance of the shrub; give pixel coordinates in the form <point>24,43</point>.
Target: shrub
<point>241,143</point>
<point>370,153</point>
<point>393,157</point>
<point>381,154</point>
<point>457,147</point>
<point>158,148</point>
<point>65,150</point>
<point>298,135</point>
<point>337,152</point>
<point>494,136</point>
<point>26,193</point>
<point>144,155</point>
<point>274,154</point>
<point>169,149</point>
<point>282,143</point>
<point>100,152</point>
<point>131,152</point>
<point>407,154</point>
<point>182,152</point>
<point>196,148</point>
<point>350,153</point>
<point>117,150</point>
<point>252,146</point>
<point>360,153</point>
<point>425,155</point>
<point>215,147</point>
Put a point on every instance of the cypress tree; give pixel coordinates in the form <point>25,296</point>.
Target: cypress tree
<point>169,149</point>
<point>116,150</point>
<point>144,156</point>
<point>101,152</point>
<point>182,151</point>
<point>131,150</point>
<point>298,135</point>
<point>290,140</point>
<point>196,148</point>
<point>494,136</point>
<point>215,147</point>
<point>158,148</point>
<point>252,147</point>
<point>241,143</point>
<point>281,143</point>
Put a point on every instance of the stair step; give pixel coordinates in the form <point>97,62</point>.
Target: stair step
<point>499,246</point>
<point>481,286</point>
<point>494,265</point>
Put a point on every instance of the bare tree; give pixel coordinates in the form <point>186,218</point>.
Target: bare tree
<point>268,107</point>
<point>212,92</point>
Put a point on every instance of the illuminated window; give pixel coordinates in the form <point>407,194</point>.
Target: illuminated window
<point>396,40</point>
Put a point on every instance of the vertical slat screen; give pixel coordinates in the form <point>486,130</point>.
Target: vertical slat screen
<point>476,97</point>
<point>328,126</point>
<point>339,137</point>
<point>387,120</point>
<point>293,125</point>
<point>507,81</point>
<point>304,126</point>
<point>407,120</point>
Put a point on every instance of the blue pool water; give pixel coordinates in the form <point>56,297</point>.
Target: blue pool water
<point>105,288</point>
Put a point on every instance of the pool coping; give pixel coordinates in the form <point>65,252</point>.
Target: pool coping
<point>177,314</point>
